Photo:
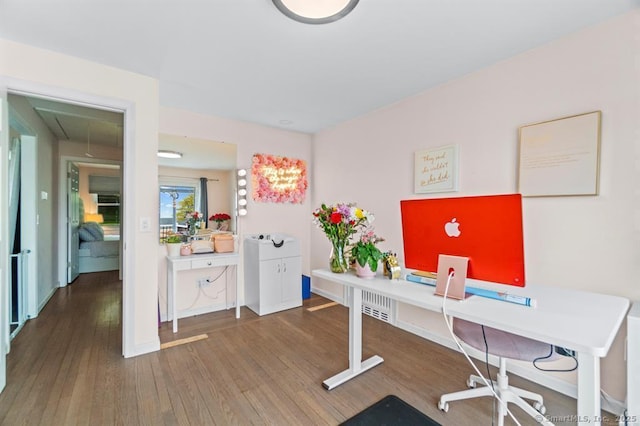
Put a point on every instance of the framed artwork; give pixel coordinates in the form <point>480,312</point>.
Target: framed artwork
<point>278,179</point>
<point>560,157</point>
<point>436,170</point>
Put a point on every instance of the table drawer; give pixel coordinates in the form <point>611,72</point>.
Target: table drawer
<point>222,259</point>
<point>203,263</point>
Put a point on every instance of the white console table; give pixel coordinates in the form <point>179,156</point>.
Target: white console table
<point>583,321</point>
<point>195,261</point>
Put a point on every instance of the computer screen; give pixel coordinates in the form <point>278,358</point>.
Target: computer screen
<point>486,229</point>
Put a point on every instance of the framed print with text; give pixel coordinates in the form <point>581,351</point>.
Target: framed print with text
<point>560,157</point>
<point>436,170</point>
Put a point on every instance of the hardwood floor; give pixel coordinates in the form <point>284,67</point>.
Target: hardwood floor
<point>66,368</point>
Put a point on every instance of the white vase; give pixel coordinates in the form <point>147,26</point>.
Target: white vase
<point>173,249</point>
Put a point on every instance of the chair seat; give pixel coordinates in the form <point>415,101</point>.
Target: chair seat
<point>502,343</point>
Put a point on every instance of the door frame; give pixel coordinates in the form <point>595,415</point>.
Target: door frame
<point>72,214</point>
<point>35,89</point>
<point>63,244</point>
<point>29,222</point>
<point>28,215</point>
<point>5,340</point>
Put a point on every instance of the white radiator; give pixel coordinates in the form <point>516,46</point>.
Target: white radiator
<point>633,364</point>
<point>377,306</point>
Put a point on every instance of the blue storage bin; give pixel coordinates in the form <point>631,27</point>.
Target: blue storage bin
<point>306,287</point>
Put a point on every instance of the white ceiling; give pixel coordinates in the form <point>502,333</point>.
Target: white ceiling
<point>77,123</point>
<point>91,126</point>
<point>244,60</point>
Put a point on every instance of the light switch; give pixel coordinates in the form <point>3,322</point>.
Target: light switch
<point>145,224</point>
<point>44,195</point>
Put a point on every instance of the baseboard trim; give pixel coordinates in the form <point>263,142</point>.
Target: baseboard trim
<point>46,299</point>
<point>330,296</point>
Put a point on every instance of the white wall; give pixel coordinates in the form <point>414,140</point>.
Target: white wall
<point>36,70</point>
<point>589,243</point>
<point>46,176</point>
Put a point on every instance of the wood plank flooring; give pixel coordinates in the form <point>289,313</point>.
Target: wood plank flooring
<point>66,368</point>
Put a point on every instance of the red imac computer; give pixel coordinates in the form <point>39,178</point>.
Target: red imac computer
<point>485,229</point>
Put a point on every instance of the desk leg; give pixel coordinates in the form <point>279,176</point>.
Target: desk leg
<point>237,292</point>
<point>588,389</point>
<point>356,365</point>
<point>174,311</point>
<point>169,292</point>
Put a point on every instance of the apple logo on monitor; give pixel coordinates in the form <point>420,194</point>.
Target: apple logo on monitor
<point>452,228</point>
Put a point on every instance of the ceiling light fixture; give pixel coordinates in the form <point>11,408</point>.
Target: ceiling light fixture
<point>315,12</point>
<point>169,154</point>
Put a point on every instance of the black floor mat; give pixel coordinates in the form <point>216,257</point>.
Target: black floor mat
<point>390,410</point>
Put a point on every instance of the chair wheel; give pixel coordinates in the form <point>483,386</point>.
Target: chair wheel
<point>443,406</point>
<point>540,408</point>
<point>471,383</point>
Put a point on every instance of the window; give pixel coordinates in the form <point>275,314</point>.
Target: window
<point>105,195</point>
<point>109,208</point>
<point>175,202</point>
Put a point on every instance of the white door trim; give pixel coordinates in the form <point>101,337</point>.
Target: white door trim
<point>34,89</point>
<point>29,221</point>
<point>4,232</point>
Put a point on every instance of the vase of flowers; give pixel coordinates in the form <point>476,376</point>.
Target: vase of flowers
<point>337,260</point>
<point>221,220</point>
<point>366,254</point>
<point>193,220</point>
<point>339,222</point>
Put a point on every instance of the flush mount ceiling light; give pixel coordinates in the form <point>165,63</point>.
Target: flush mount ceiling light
<point>315,11</point>
<point>169,154</point>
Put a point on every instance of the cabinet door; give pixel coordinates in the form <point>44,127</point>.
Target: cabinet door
<point>270,282</point>
<point>291,279</point>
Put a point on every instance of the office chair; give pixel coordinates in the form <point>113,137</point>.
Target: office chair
<point>504,345</point>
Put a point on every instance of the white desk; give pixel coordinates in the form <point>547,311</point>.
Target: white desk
<point>195,261</point>
<point>579,320</point>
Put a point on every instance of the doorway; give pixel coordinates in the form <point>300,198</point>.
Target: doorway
<point>89,133</point>
<point>94,189</point>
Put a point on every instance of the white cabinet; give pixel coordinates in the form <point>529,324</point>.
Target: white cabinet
<point>272,273</point>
